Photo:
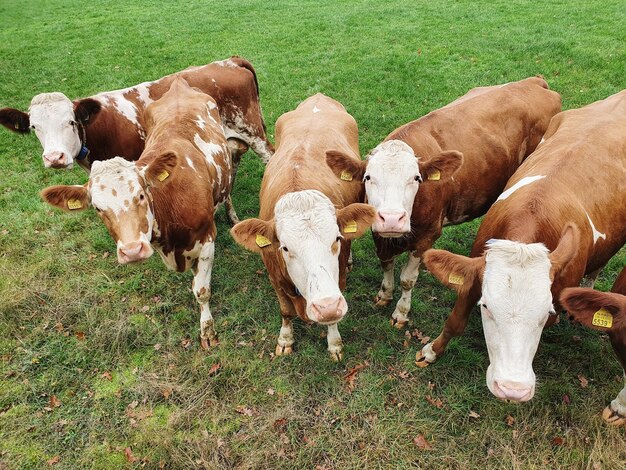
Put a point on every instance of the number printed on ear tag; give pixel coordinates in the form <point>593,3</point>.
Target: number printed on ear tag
<point>350,227</point>
<point>73,204</point>
<point>434,176</point>
<point>163,175</point>
<point>346,175</point>
<point>262,241</point>
<point>456,279</point>
<point>602,318</point>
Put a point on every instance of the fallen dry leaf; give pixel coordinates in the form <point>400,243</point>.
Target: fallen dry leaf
<point>473,414</point>
<point>106,375</point>
<point>558,441</point>
<point>105,254</point>
<point>54,402</point>
<point>214,368</point>
<point>434,401</point>
<point>566,399</point>
<point>421,442</point>
<point>185,343</point>
<point>145,308</point>
<point>350,376</point>
<point>280,425</point>
<point>54,460</point>
<point>245,410</point>
<point>431,386</point>
<point>271,391</point>
<point>128,453</point>
<point>510,420</point>
<point>80,336</point>
<point>584,383</point>
<point>157,346</point>
<point>166,392</point>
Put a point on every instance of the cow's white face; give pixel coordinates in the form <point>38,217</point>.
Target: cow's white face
<point>53,120</point>
<point>118,193</point>
<point>515,304</point>
<point>392,179</point>
<point>309,237</point>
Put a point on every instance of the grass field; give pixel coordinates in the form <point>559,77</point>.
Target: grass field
<point>100,365</point>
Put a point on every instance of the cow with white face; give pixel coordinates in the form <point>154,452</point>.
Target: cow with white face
<point>543,234</point>
<point>606,312</point>
<point>445,168</point>
<point>166,200</point>
<point>308,218</point>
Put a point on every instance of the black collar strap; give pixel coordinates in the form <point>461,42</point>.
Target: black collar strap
<point>84,152</point>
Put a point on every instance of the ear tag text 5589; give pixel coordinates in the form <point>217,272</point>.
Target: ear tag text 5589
<point>262,241</point>
<point>602,318</point>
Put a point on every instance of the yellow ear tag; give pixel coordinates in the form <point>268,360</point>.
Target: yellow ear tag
<point>350,227</point>
<point>346,175</point>
<point>602,318</point>
<point>73,204</point>
<point>456,279</point>
<point>163,175</point>
<point>434,176</point>
<point>262,241</point>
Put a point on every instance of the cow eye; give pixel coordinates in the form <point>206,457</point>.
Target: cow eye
<point>72,123</point>
<point>418,178</point>
<point>338,239</point>
<point>141,197</point>
<point>284,248</point>
<point>367,178</point>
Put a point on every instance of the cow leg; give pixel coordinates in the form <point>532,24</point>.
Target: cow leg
<point>454,326</point>
<point>285,338</point>
<point>233,218</point>
<point>237,149</point>
<point>385,294</point>
<point>615,413</point>
<point>590,279</point>
<point>408,276</point>
<point>335,345</point>
<point>202,290</point>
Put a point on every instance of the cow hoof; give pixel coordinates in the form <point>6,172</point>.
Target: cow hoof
<point>336,356</point>
<point>208,343</point>
<point>380,301</point>
<point>613,417</point>
<point>283,350</point>
<point>399,324</point>
<point>420,360</point>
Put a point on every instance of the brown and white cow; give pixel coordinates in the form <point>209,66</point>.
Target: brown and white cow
<point>459,157</point>
<point>308,218</point>
<point>166,200</point>
<point>604,311</point>
<point>561,215</point>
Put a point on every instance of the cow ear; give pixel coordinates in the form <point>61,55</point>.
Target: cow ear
<point>159,170</point>
<point>68,198</point>
<point>455,271</point>
<point>598,310</point>
<point>86,110</point>
<point>255,234</point>
<point>442,166</point>
<point>565,250</point>
<point>355,219</point>
<point>15,120</point>
<point>344,166</point>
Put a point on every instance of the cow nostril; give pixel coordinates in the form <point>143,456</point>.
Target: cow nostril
<point>380,216</point>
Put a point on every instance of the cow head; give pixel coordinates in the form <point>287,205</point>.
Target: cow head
<point>515,302</point>
<point>57,122</point>
<point>120,192</point>
<point>392,176</point>
<point>306,234</point>
<point>604,311</point>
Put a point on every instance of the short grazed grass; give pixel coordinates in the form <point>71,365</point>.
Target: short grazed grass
<point>107,340</point>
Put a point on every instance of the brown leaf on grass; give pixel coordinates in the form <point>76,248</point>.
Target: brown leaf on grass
<point>59,327</point>
<point>157,346</point>
<point>307,441</point>
<point>128,453</point>
<point>434,401</point>
<point>350,376</point>
<point>54,402</point>
<point>558,441</point>
<point>166,392</point>
<point>271,391</point>
<point>105,255</point>
<point>185,343</point>
<point>421,337</point>
<point>584,383</point>
<point>145,308</point>
<point>509,420</point>
<point>280,425</point>
<point>473,414</point>
<point>214,368</point>
<point>106,375</point>
<point>80,336</point>
<point>431,386</point>
<point>245,410</point>
<point>421,442</point>
<point>566,399</point>
<point>54,460</point>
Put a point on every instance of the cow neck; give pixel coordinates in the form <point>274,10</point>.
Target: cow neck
<point>84,151</point>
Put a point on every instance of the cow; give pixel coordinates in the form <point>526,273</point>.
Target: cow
<point>166,200</point>
<point>112,123</point>
<point>445,168</point>
<point>561,216</point>
<point>604,311</point>
<point>307,218</point>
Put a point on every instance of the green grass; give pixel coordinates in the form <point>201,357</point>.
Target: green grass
<point>388,63</point>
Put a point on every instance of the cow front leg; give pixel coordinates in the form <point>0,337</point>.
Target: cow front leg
<point>615,413</point>
<point>335,345</point>
<point>202,291</point>
<point>385,294</point>
<point>233,219</point>
<point>285,338</point>
<point>454,326</point>
<point>408,276</point>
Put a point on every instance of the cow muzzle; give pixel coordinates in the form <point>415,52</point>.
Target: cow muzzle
<point>328,310</point>
<point>391,224</point>
<point>133,252</point>
<point>513,391</point>
<point>56,160</point>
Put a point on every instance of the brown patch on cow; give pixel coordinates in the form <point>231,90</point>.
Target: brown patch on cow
<point>126,202</point>
<point>102,187</point>
<point>113,192</point>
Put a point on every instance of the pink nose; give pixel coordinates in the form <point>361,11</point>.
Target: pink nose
<point>329,309</point>
<point>514,391</point>
<point>133,251</point>
<point>392,222</point>
<point>55,160</point>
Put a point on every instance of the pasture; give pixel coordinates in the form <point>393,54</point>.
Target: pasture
<point>100,365</point>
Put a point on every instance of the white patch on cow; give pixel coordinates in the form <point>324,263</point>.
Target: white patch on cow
<point>50,116</point>
<point>391,185</point>
<point>143,92</point>
<point>619,404</point>
<point>226,63</point>
<point>117,100</point>
<point>306,227</point>
<point>210,150</point>
<point>200,122</point>
<point>520,184</point>
<point>316,109</point>
<point>169,259</point>
<point>515,305</point>
<point>190,163</point>
<point>596,233</point>
<point>243,131</point>
<point>115,174</point>
<point>211,105</point>
<point>541,141</point>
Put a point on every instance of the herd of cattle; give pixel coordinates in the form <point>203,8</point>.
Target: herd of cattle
<point>163,155</point>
